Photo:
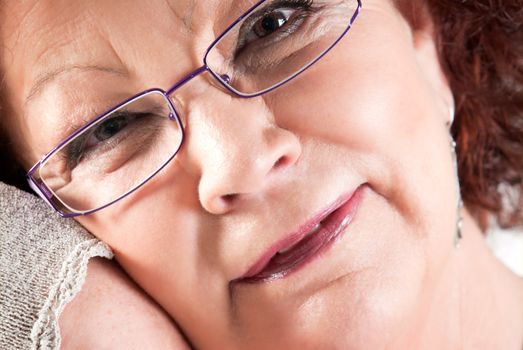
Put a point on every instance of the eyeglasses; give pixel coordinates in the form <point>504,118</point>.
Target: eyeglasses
<point>121,149</point>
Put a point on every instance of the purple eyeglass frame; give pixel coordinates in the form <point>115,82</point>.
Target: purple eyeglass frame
<point>47,195</point>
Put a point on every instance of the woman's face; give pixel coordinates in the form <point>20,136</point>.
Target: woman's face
<point>369,117</point>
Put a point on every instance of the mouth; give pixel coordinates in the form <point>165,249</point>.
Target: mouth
<point>307,243</point>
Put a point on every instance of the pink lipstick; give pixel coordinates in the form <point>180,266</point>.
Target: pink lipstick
<point>308,242</point>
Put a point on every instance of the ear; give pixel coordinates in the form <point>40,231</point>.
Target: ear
<point>424,42</point>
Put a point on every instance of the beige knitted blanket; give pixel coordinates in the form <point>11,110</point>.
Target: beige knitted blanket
<point>43,263</point>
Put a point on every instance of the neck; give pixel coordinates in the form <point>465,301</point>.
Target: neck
<point>486,298</point>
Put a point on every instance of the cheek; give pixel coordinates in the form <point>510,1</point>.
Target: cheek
<point>369,97</point>
<point>373,103</point>
<point>148,225</point>
<point>154,234</point>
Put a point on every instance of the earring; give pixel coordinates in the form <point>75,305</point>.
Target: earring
<point>459,205</point>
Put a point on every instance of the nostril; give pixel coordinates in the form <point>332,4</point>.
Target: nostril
<point>282,161</point>
<point>220,205</point>
<point>229,198</point>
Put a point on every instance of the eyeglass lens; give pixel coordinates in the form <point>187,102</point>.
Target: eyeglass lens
<point>276,41</point>
<point>114,155</point>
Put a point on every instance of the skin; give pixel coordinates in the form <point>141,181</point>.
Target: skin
<point>111,312</point>
<point>251,171</point>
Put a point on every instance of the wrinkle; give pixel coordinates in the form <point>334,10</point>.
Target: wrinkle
<point>48,77</point>
<point>187,17</point>
<point>120,62</point>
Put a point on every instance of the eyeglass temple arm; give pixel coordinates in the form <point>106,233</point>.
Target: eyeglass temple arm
<point>40,191</point>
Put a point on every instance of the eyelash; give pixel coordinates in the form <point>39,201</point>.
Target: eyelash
<point>76,150</point>
<point>305,6</point>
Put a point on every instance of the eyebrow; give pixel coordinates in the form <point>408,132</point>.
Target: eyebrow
<point>46,78</point>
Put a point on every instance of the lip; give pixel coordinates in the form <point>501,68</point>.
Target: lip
<point>301,248</point>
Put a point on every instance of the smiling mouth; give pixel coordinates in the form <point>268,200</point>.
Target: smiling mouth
<point>308,242</point>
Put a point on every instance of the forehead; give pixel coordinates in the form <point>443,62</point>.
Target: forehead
<point>36,25</point>
<point>35,33</point>
<point>47,35</point>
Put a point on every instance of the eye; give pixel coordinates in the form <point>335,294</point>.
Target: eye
<point>280,17</point>
<point>108,129</point>
<point>102,135</point>
<point>272,22</point>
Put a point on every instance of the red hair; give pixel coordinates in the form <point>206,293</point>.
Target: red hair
<point>480,44</point>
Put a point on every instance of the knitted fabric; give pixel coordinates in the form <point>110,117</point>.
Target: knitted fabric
<point>43,264</point>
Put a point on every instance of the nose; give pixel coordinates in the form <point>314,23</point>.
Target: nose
<point>236,146</point>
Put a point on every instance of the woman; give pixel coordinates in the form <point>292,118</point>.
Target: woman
<point>263,206</point>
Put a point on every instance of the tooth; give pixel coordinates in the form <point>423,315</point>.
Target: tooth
<point>313,231</point>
